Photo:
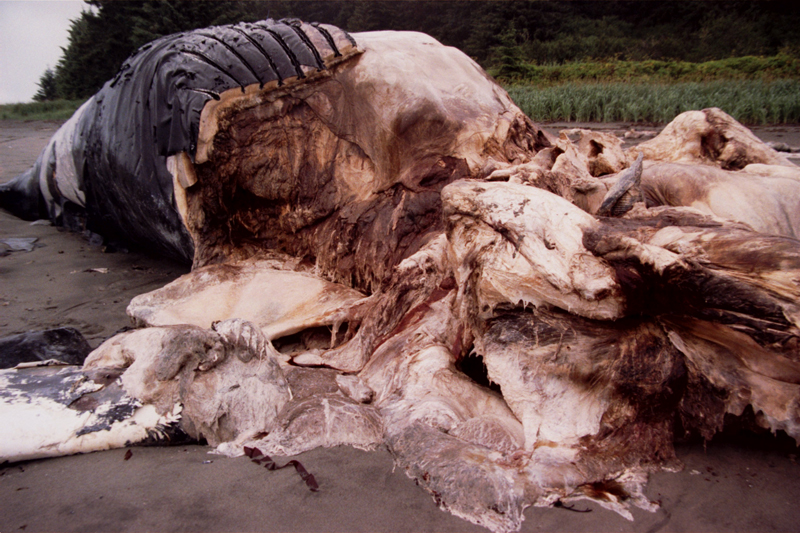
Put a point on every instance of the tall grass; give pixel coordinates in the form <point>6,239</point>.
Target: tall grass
<point>781,66</point>
<point>52,110</point>
<point>749,102</point>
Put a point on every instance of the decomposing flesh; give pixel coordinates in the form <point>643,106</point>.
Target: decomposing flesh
<point>387,251</point>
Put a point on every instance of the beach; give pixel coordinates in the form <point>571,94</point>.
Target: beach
<point>737,482</point>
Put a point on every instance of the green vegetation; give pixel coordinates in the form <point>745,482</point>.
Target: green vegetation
<point>750,102</point>
<point>780,66</point>
<point>628,60</point>
<point>507,37</point>
<point>48,89</point>
<point>51,110</point>
<point>754,90</point>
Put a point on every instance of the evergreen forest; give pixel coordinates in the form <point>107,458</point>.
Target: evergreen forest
<point>544,44</point>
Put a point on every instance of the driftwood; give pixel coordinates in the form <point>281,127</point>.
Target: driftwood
<point>387,251</point>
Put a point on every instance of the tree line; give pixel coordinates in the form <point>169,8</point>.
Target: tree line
<point>500,35</point>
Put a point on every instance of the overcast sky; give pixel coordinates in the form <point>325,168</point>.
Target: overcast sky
<point>32,33</point>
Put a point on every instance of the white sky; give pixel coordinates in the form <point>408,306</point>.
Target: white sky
<point>32,33</point>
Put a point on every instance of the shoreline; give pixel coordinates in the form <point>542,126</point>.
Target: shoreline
<point>734,483</point>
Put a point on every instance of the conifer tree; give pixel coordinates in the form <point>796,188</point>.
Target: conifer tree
<point>47,87</point>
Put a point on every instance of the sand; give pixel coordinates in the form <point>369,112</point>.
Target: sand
<point>738,482</point>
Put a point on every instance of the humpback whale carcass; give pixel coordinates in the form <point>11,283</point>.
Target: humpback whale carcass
<point>386,250</point>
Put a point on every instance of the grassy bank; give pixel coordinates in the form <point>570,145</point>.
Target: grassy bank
<point>55,110</point>
<point>748,101</point>
<point>747,68</point>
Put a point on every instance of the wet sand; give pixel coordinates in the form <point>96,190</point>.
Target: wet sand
<point>737,482</point>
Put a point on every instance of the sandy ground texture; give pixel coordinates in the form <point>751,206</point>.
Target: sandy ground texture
<point>737,482</point>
